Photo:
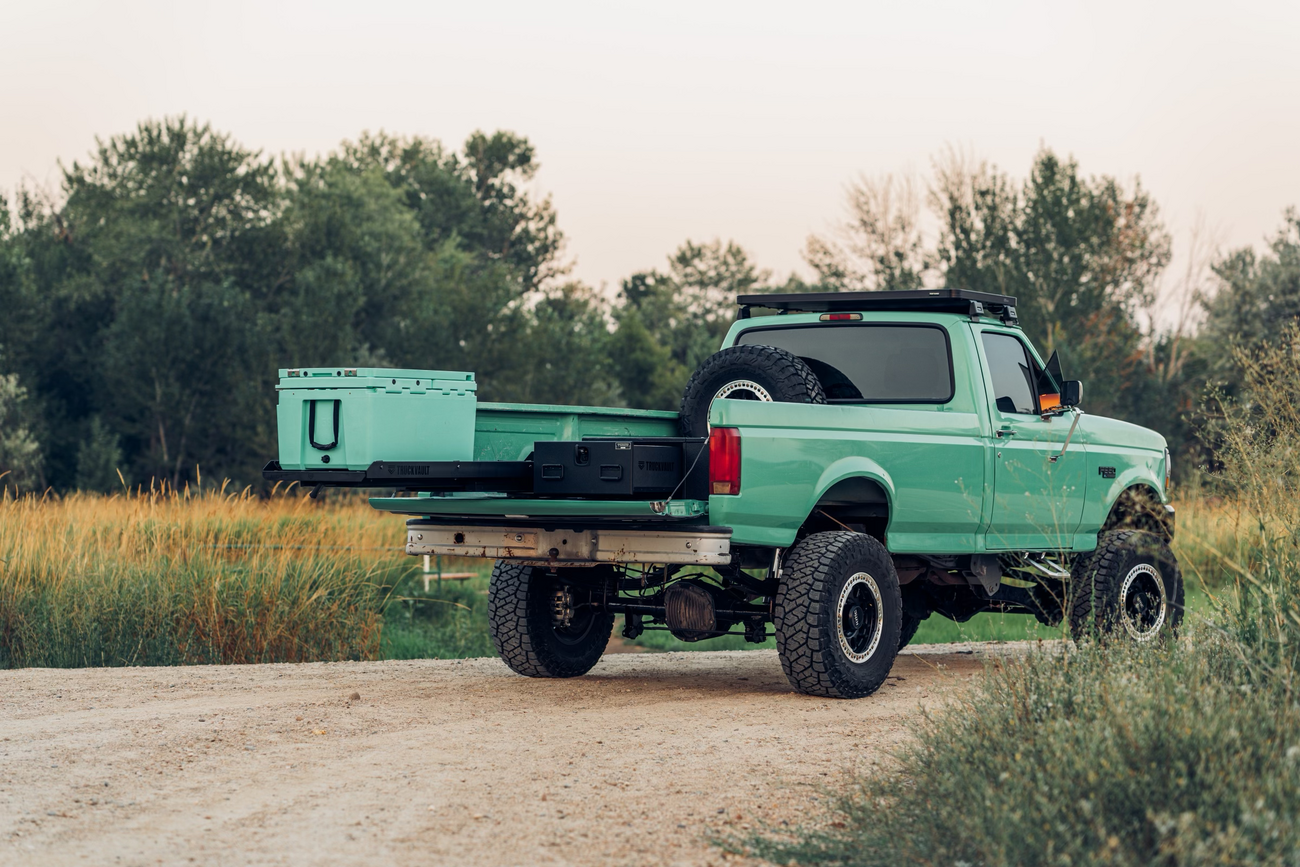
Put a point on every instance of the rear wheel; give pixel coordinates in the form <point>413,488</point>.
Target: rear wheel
<point>1129,586</point>
<point>838,615</point>
<point>541,626</point>
<point>762,373</point>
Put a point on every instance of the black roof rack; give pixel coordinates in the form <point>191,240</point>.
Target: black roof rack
<point>920,300</point>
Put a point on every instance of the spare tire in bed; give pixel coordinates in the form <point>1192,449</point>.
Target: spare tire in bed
<point>747,372</point>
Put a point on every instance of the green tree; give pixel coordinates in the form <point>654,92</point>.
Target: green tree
<point>474,197</point>
<point>176,364</point>
<point>355,263</point>
<point>426,258</point>
<point>99,459</point>
<point>879,245</point>
<point>173,225</point>
<point>20,453</point>
<point>176,270</point>
<point>559,351</point>
<point>1257,295</point>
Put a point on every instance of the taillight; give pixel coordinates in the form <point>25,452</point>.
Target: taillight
<point>724,461</point>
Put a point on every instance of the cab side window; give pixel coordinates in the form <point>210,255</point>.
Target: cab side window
<point>1012,372</point>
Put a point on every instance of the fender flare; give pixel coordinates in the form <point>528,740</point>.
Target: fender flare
<point>851,467</point>
<point>1133,477</point>
<point>1159,511</point>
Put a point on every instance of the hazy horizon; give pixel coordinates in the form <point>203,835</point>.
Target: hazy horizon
<point>733,121</point>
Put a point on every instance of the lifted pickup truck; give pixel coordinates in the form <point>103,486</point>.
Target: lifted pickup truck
<point>841,470</point>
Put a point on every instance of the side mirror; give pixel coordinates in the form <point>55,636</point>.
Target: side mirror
<point>1071,392</point>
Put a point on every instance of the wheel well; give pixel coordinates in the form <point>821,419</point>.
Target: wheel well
<point>857,503</point>
<point>1139,508</point>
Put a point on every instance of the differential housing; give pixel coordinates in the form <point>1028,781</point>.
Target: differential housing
<point>690,612</point>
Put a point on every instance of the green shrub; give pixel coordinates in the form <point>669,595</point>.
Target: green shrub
<point>448,622</point>
<point>1102,755</point>
<point>1258,438</point>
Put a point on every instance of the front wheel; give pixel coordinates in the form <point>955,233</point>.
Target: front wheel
<point>1129,586</point>
<point>542,626</point>
<point>838,615</point>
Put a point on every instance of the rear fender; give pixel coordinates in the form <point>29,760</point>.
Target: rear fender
<point>852,467</point>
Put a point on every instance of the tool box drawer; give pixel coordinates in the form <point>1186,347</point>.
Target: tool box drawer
<point>605,468</point>
<point>348,418</point>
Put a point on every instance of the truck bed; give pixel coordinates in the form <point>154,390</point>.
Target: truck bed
<point>500,464</point>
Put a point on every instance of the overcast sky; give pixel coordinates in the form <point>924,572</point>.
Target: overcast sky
<point>660,122</point>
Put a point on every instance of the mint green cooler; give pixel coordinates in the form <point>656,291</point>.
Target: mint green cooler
<point>347,418</point>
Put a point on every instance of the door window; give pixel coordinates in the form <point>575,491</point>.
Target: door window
<point>1012,372</point>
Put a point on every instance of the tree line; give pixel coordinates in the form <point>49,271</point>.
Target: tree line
<point>146,304</point>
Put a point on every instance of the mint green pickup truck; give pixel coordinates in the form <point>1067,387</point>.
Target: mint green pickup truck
<point>846,466</point>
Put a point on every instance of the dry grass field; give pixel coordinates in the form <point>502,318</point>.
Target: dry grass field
<point>172,577</point>
<point>167,577</point>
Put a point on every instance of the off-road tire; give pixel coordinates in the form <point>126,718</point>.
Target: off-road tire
<point>524,634</point>
<point>814,578</point>
<point>1097,600</point>
<point>785,377</point>
<point>907,629</point>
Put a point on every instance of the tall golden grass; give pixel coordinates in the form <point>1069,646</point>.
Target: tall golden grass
<point>168,577</point>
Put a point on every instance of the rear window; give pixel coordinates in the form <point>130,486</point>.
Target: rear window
<point>869,363</point>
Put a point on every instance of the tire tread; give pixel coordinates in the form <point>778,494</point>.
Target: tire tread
<point>801,644</point>
<point>794,380</point>
<point>1096,579</point>
<point>511,629</point>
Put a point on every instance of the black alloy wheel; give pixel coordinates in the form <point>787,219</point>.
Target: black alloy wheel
<point>860,616</point>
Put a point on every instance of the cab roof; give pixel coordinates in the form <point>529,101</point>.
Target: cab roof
<point>918,300</point>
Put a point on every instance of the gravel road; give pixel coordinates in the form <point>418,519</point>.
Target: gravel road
<point>432,762</point>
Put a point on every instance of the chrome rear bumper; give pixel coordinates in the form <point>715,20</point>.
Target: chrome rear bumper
<point>570,547</point>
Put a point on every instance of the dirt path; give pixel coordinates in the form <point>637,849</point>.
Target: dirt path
<point>436,762</point>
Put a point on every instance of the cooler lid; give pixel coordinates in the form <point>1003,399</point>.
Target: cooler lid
<point>374,377</point>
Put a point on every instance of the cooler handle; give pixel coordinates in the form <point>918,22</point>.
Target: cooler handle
<point>311,426</point>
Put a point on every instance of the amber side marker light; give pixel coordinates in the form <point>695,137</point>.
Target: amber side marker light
<point>724,461</point>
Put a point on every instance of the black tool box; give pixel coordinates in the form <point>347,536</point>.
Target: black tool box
<point>615,468</point>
